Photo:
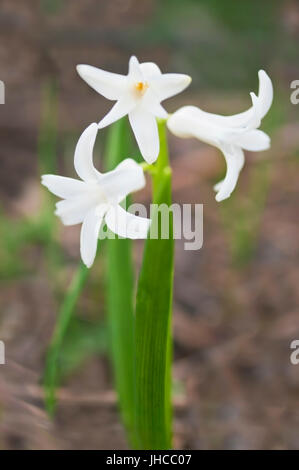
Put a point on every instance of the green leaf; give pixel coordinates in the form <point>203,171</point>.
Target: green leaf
<point>120,286</point>
<point>153,322</point>
<point>51,374</point>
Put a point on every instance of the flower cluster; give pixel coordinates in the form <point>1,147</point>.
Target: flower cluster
<point>96,197</point>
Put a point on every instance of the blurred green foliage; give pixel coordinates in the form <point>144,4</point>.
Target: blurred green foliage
<point>83,340</point>
<point>20,235</point>
<point>221,43</point>
<point>51,7</point>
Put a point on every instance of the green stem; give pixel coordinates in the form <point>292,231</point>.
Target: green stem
<point>153,321</point>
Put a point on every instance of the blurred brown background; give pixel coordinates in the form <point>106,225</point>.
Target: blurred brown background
<point>236,300</point>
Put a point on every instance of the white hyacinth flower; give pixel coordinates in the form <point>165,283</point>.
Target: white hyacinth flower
<point>139,95</point>
<point>96,197</point>
<point>231,134</point>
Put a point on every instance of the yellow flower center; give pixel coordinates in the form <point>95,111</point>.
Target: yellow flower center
<point>141,87</point>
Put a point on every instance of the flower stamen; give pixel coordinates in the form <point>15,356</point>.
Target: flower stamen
<point>141,87</point>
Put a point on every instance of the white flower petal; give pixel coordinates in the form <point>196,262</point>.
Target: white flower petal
<point>265,92</point>
<point>254,140</point>
<point>150,70</point>
<point>234,157</point>
<point>72,211</point>
<point>151,104</point>
<point>62,186</point>
<point>119,110</point>
<point>264,99</point>
<point>83,160</point>
<point>183,122</point>
<point>255,117</point>
<point>145,129</point>
<point>135,72</point>
<point>127,177</point>
<point>190,121</point>
<point>126,225</point>
<point>90,233</point>
<point>110,85</point>
<point>170,84</point>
